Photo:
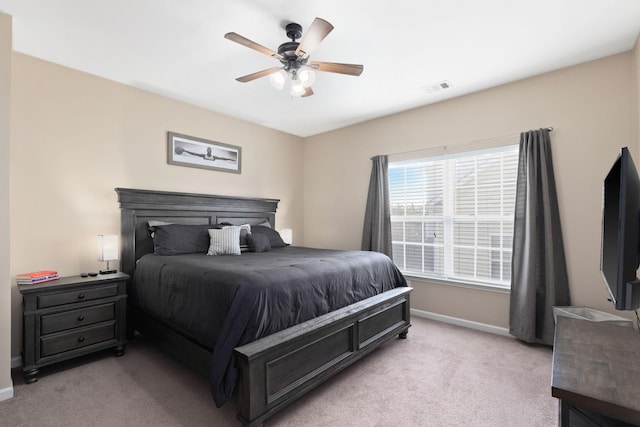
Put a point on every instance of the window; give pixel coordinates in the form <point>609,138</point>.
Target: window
<point>452,216</point>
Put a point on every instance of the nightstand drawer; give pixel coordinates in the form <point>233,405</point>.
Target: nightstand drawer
<point>79,295</point>
<point>58,343</point>
<point>77,318</point>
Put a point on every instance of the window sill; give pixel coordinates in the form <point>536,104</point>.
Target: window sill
<point>459,284</point>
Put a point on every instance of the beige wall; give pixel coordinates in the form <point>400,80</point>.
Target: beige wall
<point>6,388</point>
<point>589,107</point>
<point>77,136</point>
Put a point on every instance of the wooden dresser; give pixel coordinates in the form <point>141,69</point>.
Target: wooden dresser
<point>70,317</point>
<point>596,373</point>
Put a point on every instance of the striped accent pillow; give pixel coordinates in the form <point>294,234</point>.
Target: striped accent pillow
<point>225,241</point>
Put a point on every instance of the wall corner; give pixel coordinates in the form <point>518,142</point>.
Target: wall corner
<point>6,384</point>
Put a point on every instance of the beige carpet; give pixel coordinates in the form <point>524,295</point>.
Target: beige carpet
<point>442,375</point>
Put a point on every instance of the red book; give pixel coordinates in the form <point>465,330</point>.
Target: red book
<point>37,280</point>
<point>36,275</point>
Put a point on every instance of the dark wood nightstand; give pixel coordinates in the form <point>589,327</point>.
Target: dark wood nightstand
<point>71,317</point>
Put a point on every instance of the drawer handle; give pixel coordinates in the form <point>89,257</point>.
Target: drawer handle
<point>80,318</point>
<point>80,296</point>
<point>80,339</point>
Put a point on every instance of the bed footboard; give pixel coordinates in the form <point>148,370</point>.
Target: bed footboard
<point>280,368</point>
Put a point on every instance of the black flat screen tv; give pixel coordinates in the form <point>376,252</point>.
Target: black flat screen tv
<point>620,248</point>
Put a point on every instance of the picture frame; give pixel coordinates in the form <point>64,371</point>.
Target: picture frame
<point>190,151</point>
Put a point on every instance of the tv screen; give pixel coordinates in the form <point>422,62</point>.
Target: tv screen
<point>620,249</point>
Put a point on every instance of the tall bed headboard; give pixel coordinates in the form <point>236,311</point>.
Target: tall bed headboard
<point>137,207</point>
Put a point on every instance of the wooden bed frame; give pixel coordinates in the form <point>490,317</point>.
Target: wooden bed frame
<point>278,369</point>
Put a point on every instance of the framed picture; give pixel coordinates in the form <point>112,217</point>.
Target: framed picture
<point>184,150</point>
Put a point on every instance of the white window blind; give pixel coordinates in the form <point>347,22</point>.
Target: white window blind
<point>452,216</point>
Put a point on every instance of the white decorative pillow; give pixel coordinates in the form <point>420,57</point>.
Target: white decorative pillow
<point>224,241</point>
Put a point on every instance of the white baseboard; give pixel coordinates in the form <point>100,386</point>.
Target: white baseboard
<point>462,322</point>
<point>16,362</point>
<point>6,393</point>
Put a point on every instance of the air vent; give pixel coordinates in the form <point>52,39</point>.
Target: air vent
<point>437,87</point>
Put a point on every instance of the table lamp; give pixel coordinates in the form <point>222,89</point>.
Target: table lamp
<point>107,250</point>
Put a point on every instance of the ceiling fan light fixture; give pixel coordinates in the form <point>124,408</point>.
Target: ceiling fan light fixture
<point>307,77</point>
<point>297,88</point>
<point>294,57</point>
<point>278,78</point>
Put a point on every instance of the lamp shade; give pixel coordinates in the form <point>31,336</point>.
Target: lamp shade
<point>107,247</point>
<point>278,78</point>
<point>287,235</point>
<point>307,77</point>
<point>297,89</point>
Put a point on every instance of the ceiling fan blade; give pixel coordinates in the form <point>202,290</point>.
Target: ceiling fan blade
<point>234,37</point>
<point>257,75</point>
<point>307,92</point>
<point>333,67</point>
<point>318,30</point>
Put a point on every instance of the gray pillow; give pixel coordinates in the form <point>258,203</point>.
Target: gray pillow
<point>274,237</point>
<point>258,243</point>
<point>177,239</point>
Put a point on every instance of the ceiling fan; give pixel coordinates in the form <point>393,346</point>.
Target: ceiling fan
<point>294,57</point>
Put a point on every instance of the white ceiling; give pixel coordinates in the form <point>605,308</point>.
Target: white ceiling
<point>176,48</point>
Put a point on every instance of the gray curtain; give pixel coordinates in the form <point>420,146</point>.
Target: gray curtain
<point>538,272</point>
<point>376,235</point>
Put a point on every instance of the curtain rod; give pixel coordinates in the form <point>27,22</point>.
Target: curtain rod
<point>549,128</point>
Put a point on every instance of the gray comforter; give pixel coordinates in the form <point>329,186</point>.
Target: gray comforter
<point>226,301</point>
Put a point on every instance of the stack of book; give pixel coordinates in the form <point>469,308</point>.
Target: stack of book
<point>36,277</point>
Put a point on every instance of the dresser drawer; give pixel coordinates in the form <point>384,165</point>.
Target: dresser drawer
<point>78,338</point>
<point>77,318</point>
<point>60,298</point>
